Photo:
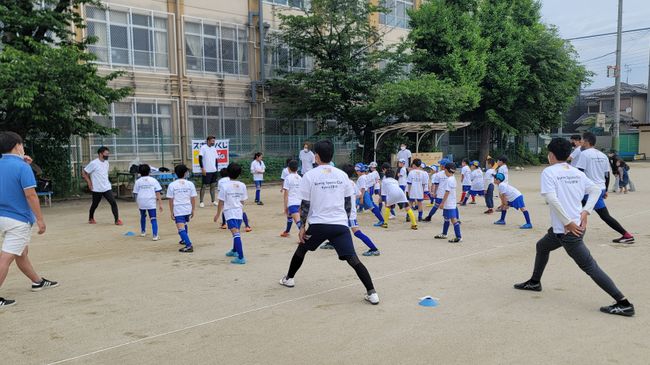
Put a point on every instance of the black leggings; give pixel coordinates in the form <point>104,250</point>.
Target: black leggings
<point>603,213</point>
<point>97,197</point>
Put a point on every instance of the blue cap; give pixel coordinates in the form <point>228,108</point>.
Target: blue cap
<point>443,162</point>
<point>360,167</point>
<point>500,176</point>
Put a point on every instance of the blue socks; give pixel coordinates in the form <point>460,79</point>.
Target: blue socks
<point>185,237</point>
<point>358,234</point>
<point>445,227</point>
<point>154,226</point>
<point>527,216</point>
<point>289,222</point>
<point>503,215</point>
<point>377,213</point>
<point>236,245</point>
<point>433,211</point>
<point>457,229</point>
<point>245,217</point>
<point>143,220</point>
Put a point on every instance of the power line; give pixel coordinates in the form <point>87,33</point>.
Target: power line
<point>606,34</point>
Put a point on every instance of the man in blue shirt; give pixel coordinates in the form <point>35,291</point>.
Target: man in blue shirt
<point>19,210</point>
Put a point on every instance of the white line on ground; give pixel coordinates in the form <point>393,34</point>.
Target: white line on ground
<point>258,309</point>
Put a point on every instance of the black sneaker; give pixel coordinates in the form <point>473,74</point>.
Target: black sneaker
<point>6,302</point>
<point>456,240</point>
<point>181,242</point>
<point>619,309</point>
<point>427,219</point>
<point>624,239</point>
<point>528,285</point>
<point>44,284</point>
<point>260,203</point>
<point>186,249</point>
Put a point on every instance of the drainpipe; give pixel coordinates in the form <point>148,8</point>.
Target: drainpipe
<point>178,13</point>
<point>260,16</point>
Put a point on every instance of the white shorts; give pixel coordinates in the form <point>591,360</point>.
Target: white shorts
<point>15,235</point>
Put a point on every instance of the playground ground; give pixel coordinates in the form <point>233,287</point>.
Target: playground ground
<point>129,300</point>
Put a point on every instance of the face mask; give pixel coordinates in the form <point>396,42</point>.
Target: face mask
<point>402,148</point>
<point>305,149</point>
<point>106,158</point>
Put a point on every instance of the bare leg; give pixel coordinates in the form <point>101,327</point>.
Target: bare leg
<point>26,267</point>
<point>5,261</point>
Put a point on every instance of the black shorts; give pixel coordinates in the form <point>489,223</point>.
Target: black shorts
<point>337,235</point>
<point>209,178</point>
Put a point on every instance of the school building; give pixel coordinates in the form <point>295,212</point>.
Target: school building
<point>196,68</point>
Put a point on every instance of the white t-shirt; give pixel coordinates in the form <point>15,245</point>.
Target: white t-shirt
<point>441,179</point>
<point>575,156</point>
<point>257,169</point>
<point>353,211</point>
<point>209,159</point>
<point>182,192</point>
<point>450,186</point>
<point>233,193</point>
<point>402,176</point>
<point>370,181</point>
<point>503,170</point>
<point>570,185</point>
<point>292,185</point>
<point>477,180</point>
<point>393,193</point>
<point>221,182</point>
<point>307,160</point>
<point>362,182</point>
<point>404,155</point>
<point>374,179</point>
<point>595,165</point>
<point>489,177</point>
<point>466,172</point>
<point>326,188</point>
<point>146,188</point>
<point>418,183</point>
<point>510,191</point>
<point>98,171</point>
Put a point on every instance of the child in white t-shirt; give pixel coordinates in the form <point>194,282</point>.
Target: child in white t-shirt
<point>146,192</point>
<point>476,179</point>
<point>450,209</point>
<point>231,199</point>
<point>510,197</point>
<point>182,200</point>
<point>401,174</point>
<point>465,173</point>
<point>365,199</point>
<point>417,183</point>
<point>223,174</point>
<point>488,182</point>
<point>292,200</point>
<point>393,195</point>
<point>352,221</point>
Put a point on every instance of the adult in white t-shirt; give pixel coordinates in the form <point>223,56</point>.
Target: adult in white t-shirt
<point>96,176</point>
<point>257,170</point>
<point>326,196</point>
<point>307,159</point>
<point>595,165</point>
<point>404,154</point>
<point>208,163</point>
<point>563,187</point>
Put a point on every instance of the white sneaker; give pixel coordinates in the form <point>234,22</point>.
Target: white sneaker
<point>201,205</point>
<point>289,283</point>
<point>372,298</point>
<point>155,238</point>
<point>143,234</point>
<point>391,217</point>
<point>215,204</point>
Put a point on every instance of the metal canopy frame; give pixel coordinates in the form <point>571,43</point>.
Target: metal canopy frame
<point>419,128</point>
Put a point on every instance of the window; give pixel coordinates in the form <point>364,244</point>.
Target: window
<point>216,48</point>
<point>222,121</point>
<point>301,4</point>
<point>126,37</point>
<point>607,106</point>
<point>281,59</point>
<point>398,16</point>
<point>145,130</point>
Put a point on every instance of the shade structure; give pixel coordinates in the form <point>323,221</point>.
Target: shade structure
<point>419,128</point>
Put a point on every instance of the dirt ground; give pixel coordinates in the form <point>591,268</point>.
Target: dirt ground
<point>130,300</point>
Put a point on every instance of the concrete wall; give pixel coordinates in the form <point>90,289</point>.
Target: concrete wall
<point>644,140</point>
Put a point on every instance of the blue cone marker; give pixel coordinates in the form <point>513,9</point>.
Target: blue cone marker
<point>129,234</point>
<point>428,301</point>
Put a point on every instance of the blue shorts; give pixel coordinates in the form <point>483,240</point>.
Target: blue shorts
<point>517,203</point>
<point>450,213</point>
<point>600,204</point>
<point>352,223</point>
<point>477,192</point>
<point>293,209</point>
<point>367,201</point>
<point>403,187</point>
<point>371,190</point>
<point>377,191</point>
<point>383,198</point>
<point>467,187</point>
<point>182,219</point>
<point>234,223</point>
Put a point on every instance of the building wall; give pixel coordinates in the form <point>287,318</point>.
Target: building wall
<point>644,140</point>
<point>191,93</point>
<point>639,108</point>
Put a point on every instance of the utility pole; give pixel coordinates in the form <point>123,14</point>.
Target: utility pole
<point>647,103</point>
<point>617,87</point>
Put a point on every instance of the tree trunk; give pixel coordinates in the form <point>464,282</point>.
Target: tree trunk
<point>484,147</point>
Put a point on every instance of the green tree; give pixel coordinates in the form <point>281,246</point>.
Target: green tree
<point>346,50</point>
<point>49,87</point>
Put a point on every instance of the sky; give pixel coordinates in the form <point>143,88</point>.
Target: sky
<point>575,18</point>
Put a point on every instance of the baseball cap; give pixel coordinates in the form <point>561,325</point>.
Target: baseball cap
<point>360,167</point>
<point>443,162</point>
<point>499,176</point>
<point>402,160</point>
<point>373,164</point>
<point>450,166</point>
<point>475,163</point>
